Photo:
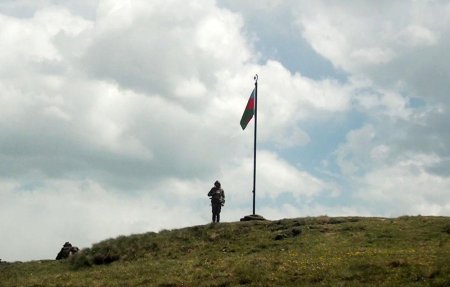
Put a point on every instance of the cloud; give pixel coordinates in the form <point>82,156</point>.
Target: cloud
<point>393,44</point>
<point>82,212</point>
<point>394,55</point>
<point>406,187</point>
<point>51,211</point>
<point>176,45</point>
<point>125,112</point>
<point>276,177</point>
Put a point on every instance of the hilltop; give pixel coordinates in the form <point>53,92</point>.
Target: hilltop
<point>325,251</point>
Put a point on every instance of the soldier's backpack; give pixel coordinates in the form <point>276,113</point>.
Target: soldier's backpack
<point>217,196</point>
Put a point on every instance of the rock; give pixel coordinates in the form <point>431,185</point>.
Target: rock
<point>252,217</point>
<point>296,231</point>
<point>280,236</point>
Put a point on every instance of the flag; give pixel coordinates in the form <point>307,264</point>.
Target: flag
<point>249,111</point>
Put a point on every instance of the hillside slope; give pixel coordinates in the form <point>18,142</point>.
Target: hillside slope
<point>325,251</point>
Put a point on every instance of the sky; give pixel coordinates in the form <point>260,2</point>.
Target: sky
<point>117,116</point>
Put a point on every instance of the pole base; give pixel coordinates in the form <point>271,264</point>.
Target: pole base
<point>253,217</point>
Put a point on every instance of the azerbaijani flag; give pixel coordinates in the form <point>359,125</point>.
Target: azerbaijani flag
<point>249,111</point>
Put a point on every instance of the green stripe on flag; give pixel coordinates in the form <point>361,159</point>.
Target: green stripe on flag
<point>249,111</point>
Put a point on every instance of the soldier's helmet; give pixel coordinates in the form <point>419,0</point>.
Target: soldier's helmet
<point>67,244</point>
<point>217,183</point>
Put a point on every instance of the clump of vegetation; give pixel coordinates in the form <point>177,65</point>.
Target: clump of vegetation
<point>125,248</point>
<point>330,251</point>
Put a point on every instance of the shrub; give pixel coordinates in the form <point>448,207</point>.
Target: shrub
<point>80,260</point>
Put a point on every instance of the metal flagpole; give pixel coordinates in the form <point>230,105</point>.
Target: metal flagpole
<point>254,142</point>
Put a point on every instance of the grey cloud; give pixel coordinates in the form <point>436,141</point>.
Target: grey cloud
<point>272,27</point>
<point>62,124</point>
<point>27,8</point>
<point>414,34</point>
<point>163,45</point>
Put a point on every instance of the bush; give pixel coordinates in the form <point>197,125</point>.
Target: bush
<point>80,260</point>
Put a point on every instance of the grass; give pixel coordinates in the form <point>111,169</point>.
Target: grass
<point>320,251</point>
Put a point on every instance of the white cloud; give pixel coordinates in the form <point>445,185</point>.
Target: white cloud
<point>30,41</point>
<point>82,212</point>
<point>275,177</point>
<point>407,187</point>
<point>305,210</point>
<point>396,45</point>
<point>51,211</point>
<point>355,36</point>
<point>177,45</point>
<point>353,156</point>
<point>418,35</point>
<point>394,52</point>
<point>286,102</point>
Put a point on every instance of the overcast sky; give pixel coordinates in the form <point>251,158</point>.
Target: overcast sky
<point>117,116</point>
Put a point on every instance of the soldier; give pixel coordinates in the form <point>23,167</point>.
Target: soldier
<point>217,196</point>
<point>65,251</point>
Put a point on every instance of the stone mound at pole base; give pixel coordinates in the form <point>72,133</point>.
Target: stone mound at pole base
<point>252,217</point>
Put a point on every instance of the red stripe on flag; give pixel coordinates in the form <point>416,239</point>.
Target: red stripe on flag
<point>250,104</point>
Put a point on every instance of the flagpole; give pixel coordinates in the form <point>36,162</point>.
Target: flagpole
<point>254,142</point>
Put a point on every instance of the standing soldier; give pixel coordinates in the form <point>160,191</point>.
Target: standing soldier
<point>217,196</point>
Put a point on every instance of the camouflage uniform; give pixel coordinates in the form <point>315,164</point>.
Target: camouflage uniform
<point>217,201</point>
<point>65,251</point>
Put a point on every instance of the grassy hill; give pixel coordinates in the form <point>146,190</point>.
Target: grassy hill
<point>320,251</point>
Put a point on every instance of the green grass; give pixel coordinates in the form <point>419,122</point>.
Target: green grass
<point>320,251</point>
